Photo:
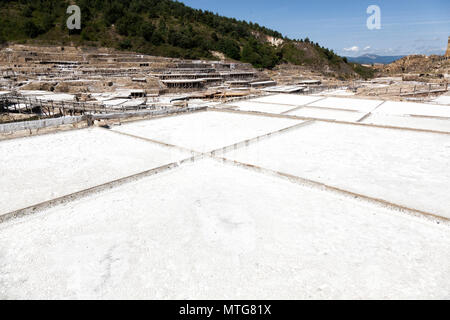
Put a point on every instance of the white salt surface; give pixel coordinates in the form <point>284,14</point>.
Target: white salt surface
<point>404,167</point>
<point>290,99</point>
<point>412,108</point>
<point>206,131</point>
<point>42,168</point>
<point>56,97</point>
<point>339,92</point>
<point>363,105</point>
<point>213,231</point>
<point>115,102</point>
<point>261,107</point>
<point>134,103</point>
<point>20,106</point>
<point>327,114</point>
<point>409,122</point>
<point>443,100</point>
<point>34,92</point>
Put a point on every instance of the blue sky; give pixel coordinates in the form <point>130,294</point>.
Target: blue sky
<point>407,26</point>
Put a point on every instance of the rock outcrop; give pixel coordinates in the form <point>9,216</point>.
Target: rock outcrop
<point>447,53</point>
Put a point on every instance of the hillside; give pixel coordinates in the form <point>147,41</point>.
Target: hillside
<point>373,59</point>
<point>419,64</point>
<point>164,28</point>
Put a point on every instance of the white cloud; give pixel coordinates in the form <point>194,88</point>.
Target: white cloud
<point>367,48</point>
<point>352,49</point>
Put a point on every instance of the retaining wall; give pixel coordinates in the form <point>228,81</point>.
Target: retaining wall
<point>39,124</point>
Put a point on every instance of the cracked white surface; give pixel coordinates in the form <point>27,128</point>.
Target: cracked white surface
<point>42,168</point>
<point>362,105</point>
<point>409,122</point>
<point>413,108</point>
<point>261,107</point>
<point>214,231</point>
<point>404,167</point>
<point>206,131</point>
<point>327,114</point>
<point>290,99</point>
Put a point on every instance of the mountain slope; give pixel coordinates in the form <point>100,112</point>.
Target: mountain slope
<point>373,58</point>
<point>161,27</point>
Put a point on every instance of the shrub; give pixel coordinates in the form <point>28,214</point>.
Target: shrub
<point>125,44</point>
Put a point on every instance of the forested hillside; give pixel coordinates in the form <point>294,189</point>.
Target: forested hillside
<point>160,27</point>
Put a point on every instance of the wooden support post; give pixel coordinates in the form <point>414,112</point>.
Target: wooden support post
<point>39,113</point>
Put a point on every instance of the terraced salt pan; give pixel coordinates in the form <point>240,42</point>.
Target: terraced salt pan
<point>56,97</point>
<point>115,102</point>
<point>409,122</point>
<point>404,167</point>
<point>327,114</point>
<point>339,92</point>
<point>412,108</point>
<point>363,105</point>
<point>46,167</point>
<point>34,92</point>
<point>206,131</point>
<point>214,231</point>
<point>262,107</point>
<point>290,99</point>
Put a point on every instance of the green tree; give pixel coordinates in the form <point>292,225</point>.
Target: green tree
<point>129,25</point>
<point>2,38</point>
<point>125,44</point>
<point>147,30</point>
<point>259,54</point>
<point>31,29</point>
<point>157,38</point>
<point>214,37</point>
<point>114,12</point>
<point>162,27</point>
<point>28,11</point>
<point>230,48</point>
